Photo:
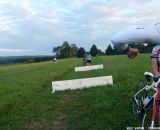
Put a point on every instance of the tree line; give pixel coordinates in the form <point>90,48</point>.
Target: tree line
<point>24,59</point>
<point>143,48</point>
<point>71,50</point>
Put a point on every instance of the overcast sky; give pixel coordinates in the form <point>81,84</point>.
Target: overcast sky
<point>34,27</point>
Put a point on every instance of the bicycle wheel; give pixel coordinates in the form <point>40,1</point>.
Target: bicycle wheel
<point>136,108</point>
<point>147,117</point>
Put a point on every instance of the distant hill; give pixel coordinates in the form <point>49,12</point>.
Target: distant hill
<point>24,59</point>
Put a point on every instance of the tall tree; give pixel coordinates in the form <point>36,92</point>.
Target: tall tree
<point>57,51</point>
<point>74,49</point>
<point>109,50</point>
<point>81,52</point>
<point>93,50</point>
<point>66,50</point>
<point>65,44</point>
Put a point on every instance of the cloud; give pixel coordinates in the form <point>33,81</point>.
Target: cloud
<point>41,25</point>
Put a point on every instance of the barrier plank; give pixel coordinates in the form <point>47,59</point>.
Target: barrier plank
<point>88,68</point>
<point>81,83</point>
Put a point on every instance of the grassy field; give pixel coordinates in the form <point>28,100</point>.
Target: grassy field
<point>26,101</point>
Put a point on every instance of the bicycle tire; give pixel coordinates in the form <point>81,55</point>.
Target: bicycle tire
<point>135,107</point>
<point>137,110</point>
<point>147,117</point>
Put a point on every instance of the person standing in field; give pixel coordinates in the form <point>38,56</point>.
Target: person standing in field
<point>87,60</point>
<point>150,35</point>
<point>55,60</point>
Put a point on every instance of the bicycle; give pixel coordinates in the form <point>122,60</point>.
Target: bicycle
<point>146,102</point>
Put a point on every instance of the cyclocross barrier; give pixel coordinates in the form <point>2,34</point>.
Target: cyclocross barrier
<point>81,83</point>
<point>87,68</point>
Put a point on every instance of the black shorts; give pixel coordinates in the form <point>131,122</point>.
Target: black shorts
<point>88,61</point>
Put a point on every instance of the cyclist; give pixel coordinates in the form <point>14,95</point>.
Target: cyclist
<point>87,59</point>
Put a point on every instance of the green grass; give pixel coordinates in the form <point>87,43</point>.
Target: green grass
<point>26,101</point>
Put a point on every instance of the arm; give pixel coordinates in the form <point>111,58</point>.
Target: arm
<point>155,67</point>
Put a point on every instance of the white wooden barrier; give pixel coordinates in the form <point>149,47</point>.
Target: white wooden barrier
<point>81,83</point>
<point>87,68</point>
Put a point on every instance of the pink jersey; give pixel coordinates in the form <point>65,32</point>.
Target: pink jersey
<point>156,53</point>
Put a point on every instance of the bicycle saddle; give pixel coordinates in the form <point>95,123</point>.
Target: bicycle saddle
<point>149,74</point>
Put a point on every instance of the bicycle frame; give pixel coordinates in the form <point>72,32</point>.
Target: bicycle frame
<point>152,86</point>
<point>152,100</point>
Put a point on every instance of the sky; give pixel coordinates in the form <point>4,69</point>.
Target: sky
<point>34,27</point>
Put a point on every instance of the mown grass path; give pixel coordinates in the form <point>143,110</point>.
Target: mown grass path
<point>28,104</point>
